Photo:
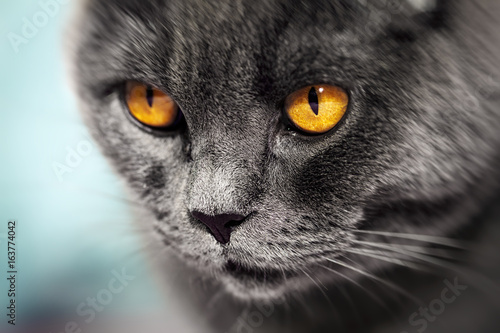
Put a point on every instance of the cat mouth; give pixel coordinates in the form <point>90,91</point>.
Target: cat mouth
<point>259,275</point>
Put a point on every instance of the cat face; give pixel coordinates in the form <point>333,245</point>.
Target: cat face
<point>240,194</point>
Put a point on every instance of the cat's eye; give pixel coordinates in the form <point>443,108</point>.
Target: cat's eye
<point>151,106</point>
<point>316,109</point>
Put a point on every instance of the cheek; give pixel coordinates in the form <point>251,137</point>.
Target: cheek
<point>154,167</point>
<point>155,176</point>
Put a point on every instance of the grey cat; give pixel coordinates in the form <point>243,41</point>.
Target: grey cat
<point>359,229</point>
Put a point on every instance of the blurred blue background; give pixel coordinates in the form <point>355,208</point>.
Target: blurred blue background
<point>73,230</point>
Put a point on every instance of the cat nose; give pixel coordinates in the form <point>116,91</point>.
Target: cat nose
<point>220,225</point>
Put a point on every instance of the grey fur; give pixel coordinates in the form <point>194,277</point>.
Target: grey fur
<point>417,152</point>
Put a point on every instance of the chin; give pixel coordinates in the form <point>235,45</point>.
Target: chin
<point>256,283</point>
<point>248,289</point>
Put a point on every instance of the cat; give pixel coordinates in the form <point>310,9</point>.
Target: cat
<point>350,230</point>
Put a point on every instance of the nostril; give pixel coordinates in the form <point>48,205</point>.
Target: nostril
<point>235,222</point>
<point>220,225</point>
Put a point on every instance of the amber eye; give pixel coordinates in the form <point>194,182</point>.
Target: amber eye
<point>151,106</point>
<point>316,109</point>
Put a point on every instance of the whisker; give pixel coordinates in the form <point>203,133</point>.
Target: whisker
<point>415,249</point>
<point>322,290</point>
<point>93,191</point>
<point>424,238</point>
<point>379,255</point>
<point>482,283</point>
<point>376,278</point>
<point>429,259</point>
<point>284,274</point>
<point>214,299</point>
<point>143,252</point>
<point>366,290</point>
<point>288,316</point>
<point>301,300</point>
<point>349,300</point>
<point>434,252</point>
<point>432,260</point>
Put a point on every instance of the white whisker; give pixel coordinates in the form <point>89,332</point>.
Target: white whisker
<point>414,249</point>
<point>424,238</point>
<point>349,300</point>
<point>482,282</point>
<point>376,278</point>
<point>321,287</point>
<point>379,255</point>
<point>366,290</point>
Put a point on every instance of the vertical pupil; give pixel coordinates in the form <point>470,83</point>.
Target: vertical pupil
<point>149,95</point>
<point>313,100</point>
